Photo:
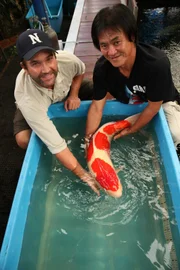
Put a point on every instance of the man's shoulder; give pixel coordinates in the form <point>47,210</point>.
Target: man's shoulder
<point>21,80</point>
<point>24,87</point>
<point>62,55</point>
<point>69,63</point>
<point>150,52</point>
<point>21,74</point>
<point>151,57</point>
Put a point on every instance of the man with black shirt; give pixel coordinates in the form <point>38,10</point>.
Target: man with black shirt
<point>131,72</point>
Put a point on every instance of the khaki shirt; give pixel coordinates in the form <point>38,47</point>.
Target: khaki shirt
<point>34,100</point>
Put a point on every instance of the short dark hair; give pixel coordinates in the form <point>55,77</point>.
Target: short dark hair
<point>117,17</point>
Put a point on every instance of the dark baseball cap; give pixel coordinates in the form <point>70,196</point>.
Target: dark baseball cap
<point>32,41</point>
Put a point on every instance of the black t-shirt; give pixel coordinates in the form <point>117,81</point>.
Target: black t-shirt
<point>150,78</point>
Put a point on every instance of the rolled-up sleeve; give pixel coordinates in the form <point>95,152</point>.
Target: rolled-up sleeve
<point>38,120</point>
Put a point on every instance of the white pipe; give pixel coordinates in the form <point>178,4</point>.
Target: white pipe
<point>74,27</point>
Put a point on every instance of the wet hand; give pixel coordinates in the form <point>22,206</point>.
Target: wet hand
<point>124,132</point>
<point>72,103</point>
<point>86,177</point>
<point>90,180</point>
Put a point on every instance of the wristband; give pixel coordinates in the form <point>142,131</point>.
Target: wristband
<point>74,168</point>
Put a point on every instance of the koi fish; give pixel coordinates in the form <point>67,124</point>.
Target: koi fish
<point>98,155</point>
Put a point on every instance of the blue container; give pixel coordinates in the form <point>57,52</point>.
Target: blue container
<point>55,14</point>
<point>12,244</point>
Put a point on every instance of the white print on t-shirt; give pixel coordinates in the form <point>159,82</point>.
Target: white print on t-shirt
<point>139,88</point>
<point>133,98</point>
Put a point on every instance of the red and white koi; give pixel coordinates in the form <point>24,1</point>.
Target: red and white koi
<point>98,156</point>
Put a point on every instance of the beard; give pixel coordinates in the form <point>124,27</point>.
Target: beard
<point>46,83</point>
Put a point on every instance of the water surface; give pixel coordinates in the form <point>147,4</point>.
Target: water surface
<point>70,227</point>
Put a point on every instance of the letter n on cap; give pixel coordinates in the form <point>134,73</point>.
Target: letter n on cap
<point>34,38</point>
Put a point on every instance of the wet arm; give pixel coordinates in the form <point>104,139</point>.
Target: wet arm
<point>70,162</point>
<point>76,84</point>
<point>144,118</point>
<point>94,116</point>
<point>36,117</point>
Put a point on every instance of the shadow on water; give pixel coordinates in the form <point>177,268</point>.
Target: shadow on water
<point>160,26</point>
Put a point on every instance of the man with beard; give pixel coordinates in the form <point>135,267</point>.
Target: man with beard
<point>132,72</point>
<point>48,77</point>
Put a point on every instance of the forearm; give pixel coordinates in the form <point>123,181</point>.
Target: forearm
<point>93,119</point>
<point>76,84</point>
<point>141,120</point>
<point>71,163</point>
<point>144,118</point>
<point>67,159</point>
